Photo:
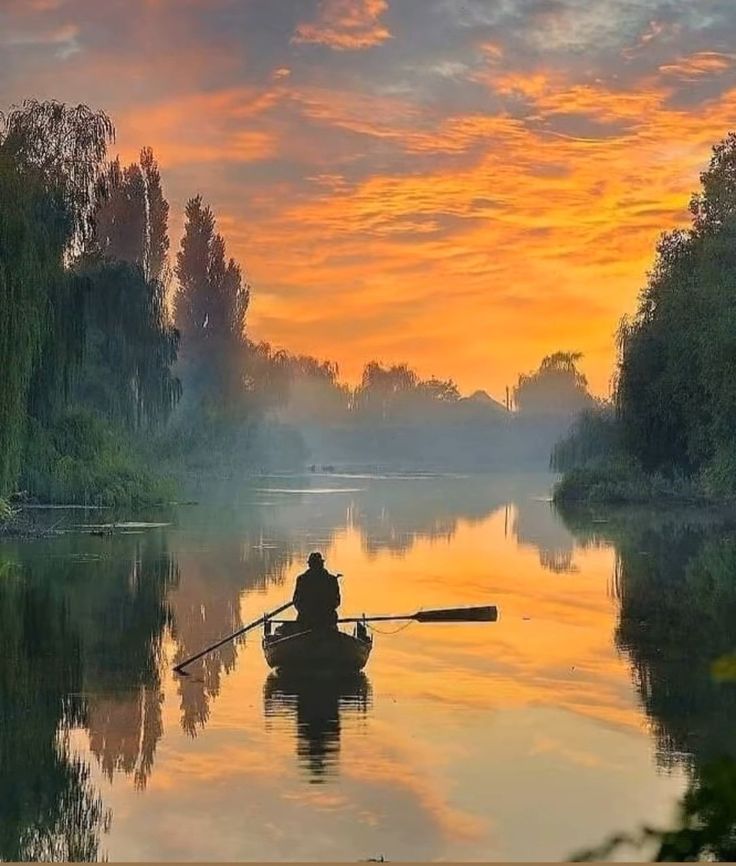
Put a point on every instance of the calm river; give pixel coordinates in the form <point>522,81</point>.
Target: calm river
<point>581,712</point>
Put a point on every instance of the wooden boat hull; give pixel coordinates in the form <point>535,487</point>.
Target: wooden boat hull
<point>318,652</point>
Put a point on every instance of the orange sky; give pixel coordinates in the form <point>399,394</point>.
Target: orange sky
<point>464,185</point>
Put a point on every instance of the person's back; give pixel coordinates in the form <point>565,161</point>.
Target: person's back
<point>317,595</point>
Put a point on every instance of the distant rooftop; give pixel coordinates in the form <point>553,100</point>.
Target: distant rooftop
<point>483,398</point>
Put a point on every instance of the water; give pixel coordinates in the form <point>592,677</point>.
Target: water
<point>582,712</point>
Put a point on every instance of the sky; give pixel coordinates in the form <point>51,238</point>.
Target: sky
<point>461,185</point>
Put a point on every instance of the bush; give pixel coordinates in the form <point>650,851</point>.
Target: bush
<point>595,436</point>
<point>621,481</point>
<point>614,482</point>
<point>597,468</point>
<point>81,459</point>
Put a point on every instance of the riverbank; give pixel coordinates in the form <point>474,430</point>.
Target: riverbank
<point>624,483</point>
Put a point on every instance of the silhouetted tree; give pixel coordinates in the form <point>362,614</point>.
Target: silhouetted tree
<point>131,224</point>
<point>397,392</point>
<point>676,392</point>
<point>557,387</point>
<point>210,308</point>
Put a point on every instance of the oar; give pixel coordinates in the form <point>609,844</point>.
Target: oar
<point>180,667</point>
<point>447,614</point>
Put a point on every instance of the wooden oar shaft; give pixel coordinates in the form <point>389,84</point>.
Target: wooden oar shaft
<point>451,614</point>
<point>178,668</point>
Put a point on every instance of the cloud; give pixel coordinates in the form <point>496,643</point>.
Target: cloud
<point>346,25</point>
<point>700,65</point>
<point>65,38</point>
<point>485,166</point>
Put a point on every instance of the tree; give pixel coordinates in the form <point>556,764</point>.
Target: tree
<point>130,344</point>
<point>51,171</point>
<point>131,223</point>
<point>398,393</point>
<point>557,387</point>
<point>210,308</point>
<point>309,389</point>
<point>65,149</point>
<point>382,388</point>
<point>130,347</point>
<point>676,393</point>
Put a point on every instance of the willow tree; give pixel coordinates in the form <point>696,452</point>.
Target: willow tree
<point>30,253</point>
<point>557,387</point>
<point>51,168</point>
<point>66,148</point>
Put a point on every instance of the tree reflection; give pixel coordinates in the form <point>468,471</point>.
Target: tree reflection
<point>394,515</point>
<point>674,583</point>
<point>48,808</point>
<point>537,524</point>
<point>229,550</point>
<point>84,622</point>
<point>316,705</point>
<point>81,642</point>
<point>678,606</point>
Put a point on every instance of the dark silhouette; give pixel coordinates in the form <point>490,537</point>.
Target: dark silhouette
<point>316,708</point>
<point>317,595</point>
<point>677,602</point>
<point>669,430</point>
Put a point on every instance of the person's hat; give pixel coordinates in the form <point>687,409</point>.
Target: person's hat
<point>315,559</point>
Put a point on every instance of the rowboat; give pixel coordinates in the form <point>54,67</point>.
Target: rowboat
<point>330,651</point>
<point>319,651</point>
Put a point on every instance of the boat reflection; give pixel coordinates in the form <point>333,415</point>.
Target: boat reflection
<point>316,704</point>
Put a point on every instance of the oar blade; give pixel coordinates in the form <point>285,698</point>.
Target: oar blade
<point>459,614</point>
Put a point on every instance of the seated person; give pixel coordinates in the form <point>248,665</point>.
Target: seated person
<point>316,596</point>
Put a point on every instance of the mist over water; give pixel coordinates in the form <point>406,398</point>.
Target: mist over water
<point>582,711</point>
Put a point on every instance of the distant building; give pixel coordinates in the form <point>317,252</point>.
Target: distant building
<point>480,403</point>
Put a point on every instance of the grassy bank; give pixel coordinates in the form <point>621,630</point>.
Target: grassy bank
<point>621,482</point>
<point>597,467</point>
<point>82,459</point>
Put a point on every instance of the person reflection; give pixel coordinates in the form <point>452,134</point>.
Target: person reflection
<point>316,704</point>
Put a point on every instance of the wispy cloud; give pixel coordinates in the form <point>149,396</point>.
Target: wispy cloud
<point>478,181</point>
<point>346,25</point>
<point>63,38</point>
<point>700,65</point>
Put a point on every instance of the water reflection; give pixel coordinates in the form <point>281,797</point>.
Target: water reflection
<point>537,524</point>
<point>80,642</point>
<point>674,582</point>
<point>85,625</point>
<point>316,706</point>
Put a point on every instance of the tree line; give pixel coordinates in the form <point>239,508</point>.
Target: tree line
<point>103,377</point>
<point>670,428</point>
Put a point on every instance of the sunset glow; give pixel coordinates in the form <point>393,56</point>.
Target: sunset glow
<point>464,185</point>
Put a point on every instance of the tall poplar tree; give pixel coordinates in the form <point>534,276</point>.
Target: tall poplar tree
<point>210,308</point>
<point>131,344</point>
<point>132,222</point>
